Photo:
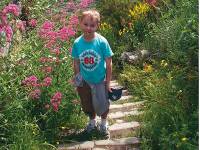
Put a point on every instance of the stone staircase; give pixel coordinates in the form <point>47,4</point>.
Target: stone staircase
<point>121,131</point>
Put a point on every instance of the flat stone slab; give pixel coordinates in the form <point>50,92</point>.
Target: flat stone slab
<point>119,114</point>
<point>124,125</point>
<point>87,145</point>
<point>126,97</point>
<point>122,129</point>
<point>118,142</point>
<point>125,106</point>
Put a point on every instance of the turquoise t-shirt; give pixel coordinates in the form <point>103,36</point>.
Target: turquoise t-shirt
<point>92,56</point>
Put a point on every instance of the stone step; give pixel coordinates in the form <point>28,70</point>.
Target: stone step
<point>114,83</point>
<point>118,144</point>
<point>114,144</point>
<point>122,114</point>
<point>125,106</point>
<point>126,97</point>
<point>122,129</point>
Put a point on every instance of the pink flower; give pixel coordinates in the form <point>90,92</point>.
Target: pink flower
<point>85,3</point>
<point>56,100</point>
<point>11,8</point>
<point>47,81</point>
<point>20,25</point>
<point>32,22</point>
<point>65,33</point>
<point>30,81</point>
<point>3,19</point>
<point>55,51</point>
<point>73,20</point>
<point>47,69</point>
<point>42,59</point>
<point>48,26</point>
<point>35,94</point>
<point>55,106</point>
<point>70,50</point>
<point>70,5</point>
<point>151,2</point>
<point>9,33</point>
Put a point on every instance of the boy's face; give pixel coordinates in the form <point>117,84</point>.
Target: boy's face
<point>88,25</point>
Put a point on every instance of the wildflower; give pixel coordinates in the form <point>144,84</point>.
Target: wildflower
<point>85,3</point>
<point>140,10</point>
<point>47,69</point>
<point>163,63</point>
<point>11,8</point>
<point>47,81</point>
<point>123,31</point>
<point>20,25</point>
<point>70,50</point>
<point>32,22</point>
<point>3,19</point>
<point>148,68</point>
<point>73,20</point>
<point>35,94</point>
<point>48,26</point>
<point>70,5</point>
<point>184,139</point>
<point>30,81</point>
<point>9,33</point>
<point>151,2</point>
<point>63,128</point>
<point>56,100</point>
<point>55,51</point>
<point>65,33</point>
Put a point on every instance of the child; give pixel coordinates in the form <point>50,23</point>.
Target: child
<point>93,63</point>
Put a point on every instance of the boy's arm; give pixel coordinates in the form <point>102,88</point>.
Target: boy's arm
<point>108,72</point>
<point>76,66</point>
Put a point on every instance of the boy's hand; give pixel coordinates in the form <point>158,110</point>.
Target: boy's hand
<point>108,86</point>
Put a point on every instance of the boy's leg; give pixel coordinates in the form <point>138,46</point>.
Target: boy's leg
<point>105,114</point>
<point>104,125</point>
<point>87,106</point>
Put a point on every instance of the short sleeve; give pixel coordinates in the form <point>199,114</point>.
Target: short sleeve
<point>107,51</point>
<point>74,51</point>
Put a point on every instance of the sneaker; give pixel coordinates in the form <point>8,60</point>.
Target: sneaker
<point>104,130</point>
<point>90,128</point>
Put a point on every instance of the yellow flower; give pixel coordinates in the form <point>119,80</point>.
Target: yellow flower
<point>124,30</point>
<point>163,63</point>
<point>148,68</point>
<point>184,139</point>
<point>104,26</point>
<point>139,10</point>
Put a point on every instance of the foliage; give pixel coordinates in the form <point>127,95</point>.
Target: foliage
<point>170,81</point>
<point>38,100</point>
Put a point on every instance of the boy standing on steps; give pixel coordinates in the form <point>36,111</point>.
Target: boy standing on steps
<point>92,58</point>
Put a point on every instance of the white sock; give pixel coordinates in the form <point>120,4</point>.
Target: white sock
<point>103,122</point>
<point>92,122</point>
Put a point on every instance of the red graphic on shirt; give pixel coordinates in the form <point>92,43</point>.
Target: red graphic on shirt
<point>89,60</point>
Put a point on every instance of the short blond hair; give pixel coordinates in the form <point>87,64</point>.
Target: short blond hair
<point>94,14</point>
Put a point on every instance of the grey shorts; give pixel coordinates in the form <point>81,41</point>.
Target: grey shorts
<point>94,98</point>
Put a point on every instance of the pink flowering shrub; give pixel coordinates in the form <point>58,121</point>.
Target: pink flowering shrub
<point>49,93</point>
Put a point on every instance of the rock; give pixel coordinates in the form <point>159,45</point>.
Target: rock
<point>135,57</point>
